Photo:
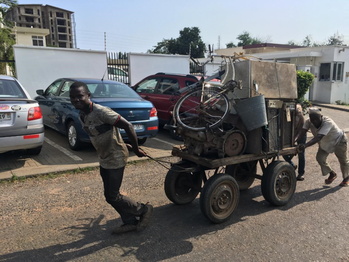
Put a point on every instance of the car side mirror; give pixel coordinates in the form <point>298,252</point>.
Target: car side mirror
<point>40,92</point>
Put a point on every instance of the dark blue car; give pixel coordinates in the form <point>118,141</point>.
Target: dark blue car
<point>61,115</point>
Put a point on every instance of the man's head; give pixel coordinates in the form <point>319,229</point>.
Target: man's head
<point>315,117</point>
<point>80,95</point>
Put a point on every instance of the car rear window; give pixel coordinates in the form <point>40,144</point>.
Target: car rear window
<point>10,88</point>
<point>110,90</point>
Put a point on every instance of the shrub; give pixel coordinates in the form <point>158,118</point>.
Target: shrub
<point>304,80</point>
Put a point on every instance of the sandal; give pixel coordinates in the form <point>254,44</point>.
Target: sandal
<point>331,178</point>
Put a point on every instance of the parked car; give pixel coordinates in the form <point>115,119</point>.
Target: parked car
<point>21,121</point>
<point>161,89</point>
<point>118,74</point>
<point>59,114</point>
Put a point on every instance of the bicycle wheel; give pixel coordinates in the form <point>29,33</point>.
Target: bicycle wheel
<point>202,108</point>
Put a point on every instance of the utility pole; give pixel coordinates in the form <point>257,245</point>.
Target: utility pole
<point>105,41</point>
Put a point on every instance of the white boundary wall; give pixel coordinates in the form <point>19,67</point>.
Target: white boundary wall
<point>142,65</point>
<point>38,67</point>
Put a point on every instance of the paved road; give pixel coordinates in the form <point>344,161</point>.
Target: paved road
<point>66,219</point>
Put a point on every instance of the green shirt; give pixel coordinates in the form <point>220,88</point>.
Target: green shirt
<point>105,137</point>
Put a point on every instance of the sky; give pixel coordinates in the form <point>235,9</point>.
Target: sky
<point>138,25</point>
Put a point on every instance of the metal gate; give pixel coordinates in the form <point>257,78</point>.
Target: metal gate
<point>118,67</point>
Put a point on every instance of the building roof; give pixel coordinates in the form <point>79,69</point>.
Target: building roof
<point>272,45</point>
<point>51,6</point>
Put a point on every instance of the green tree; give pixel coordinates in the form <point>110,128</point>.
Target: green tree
<point>230,45</point>
<point>5,5</point>
<point>189,42</point>
<point>336,39</point>
<point>246,39</point>
<point>7,40</point>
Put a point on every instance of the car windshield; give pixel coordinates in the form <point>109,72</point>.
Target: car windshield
<point>111,90</point>
<point>10,88</point>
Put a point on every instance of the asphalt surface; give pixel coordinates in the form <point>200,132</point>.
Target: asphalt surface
<point>65,218</point>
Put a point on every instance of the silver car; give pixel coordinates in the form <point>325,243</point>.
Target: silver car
<point>21,122</point>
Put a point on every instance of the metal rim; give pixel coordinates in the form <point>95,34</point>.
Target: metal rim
<point>223,200</point>
<point>283,185</point>
<point>72,135</point>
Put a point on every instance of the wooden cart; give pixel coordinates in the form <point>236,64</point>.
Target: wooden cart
<point>220,192</point>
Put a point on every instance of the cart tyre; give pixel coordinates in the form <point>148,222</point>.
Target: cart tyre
<point>219,198</point>
<point>182,187</point>
<point>279,183</point>
<point>243,173</point>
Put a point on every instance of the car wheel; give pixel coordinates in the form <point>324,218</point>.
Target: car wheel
<point>34,151</point>
<point>219,197</point>
<point>182,187</point>
<point>141,141</point>
<point>73,138</point>
<point>279,183</point>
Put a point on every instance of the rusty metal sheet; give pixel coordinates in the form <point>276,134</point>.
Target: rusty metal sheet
<point>274,80</point>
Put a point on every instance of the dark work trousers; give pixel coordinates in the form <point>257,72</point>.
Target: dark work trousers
<point>301,157</point>
<point>128,209</point>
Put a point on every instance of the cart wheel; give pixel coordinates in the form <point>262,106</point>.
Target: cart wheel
<point>243,173</point>
<point>182,187</point>
<point>279,183</point>
<point>219,197</point>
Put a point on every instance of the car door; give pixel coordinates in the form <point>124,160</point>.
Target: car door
<point>63,110</point>
<point>161,92</point>
<point>48,101</point>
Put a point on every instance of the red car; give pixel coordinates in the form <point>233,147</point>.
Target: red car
<point>161,89</point>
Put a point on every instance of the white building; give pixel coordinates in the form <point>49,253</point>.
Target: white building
<point>30,36</point>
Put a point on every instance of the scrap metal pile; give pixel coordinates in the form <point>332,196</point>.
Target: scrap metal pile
<point>244,114</point>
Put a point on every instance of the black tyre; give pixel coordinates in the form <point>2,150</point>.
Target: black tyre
<point>173,131</point>
<point>73,138</point>
<point>279,183</point>
<point>182,187</point>
<point>202,108</point>
<point>219,198</point>
<point>141,141</point>
<point>34,151</point>
<point>244,173</point>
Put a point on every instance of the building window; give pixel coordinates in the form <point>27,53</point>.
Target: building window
<point>59,14</point>
<point>60,44</point>
<point>337,73</point>
<point>62,37</point>
<point>325,72</point>
<point>29,11</point>
<point>61,22</point>
<point>62,30</point>
<point>29,19</point>
<point>38,40</point>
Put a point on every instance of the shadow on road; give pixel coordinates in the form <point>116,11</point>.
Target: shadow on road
<point>169,234</point>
